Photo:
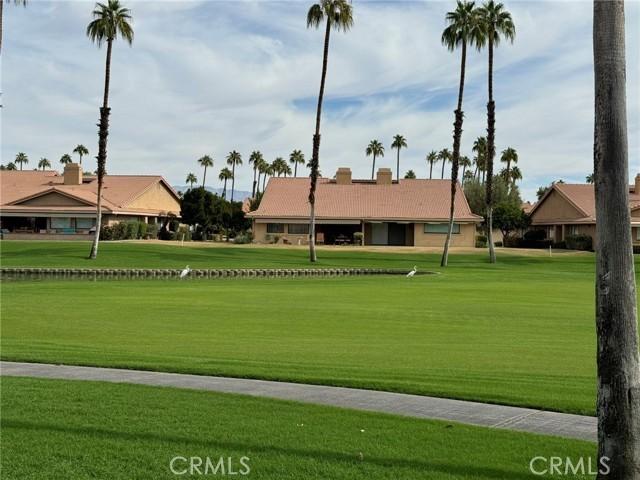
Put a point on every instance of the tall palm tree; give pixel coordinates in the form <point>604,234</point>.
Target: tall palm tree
<point>618,374</point>
<point>465,162</point>
<point>44,163</point>
<point>191,179</point>
<point>445,156</point>
<point>509,156</point>
<point>374,149</point>
<point>480,149</point>
<point>81,150</point>
<point>514,175</point>
<point>109,21</point>
<point>225,174</point>
<point>278,166</point>
<point>338,14</point>
<point>496,23</point>
<point>286,170</point>
<point>296,158</point>
<point>233,159</point>
<point>268,171</point>
<point>590,178</point>
<point>463,29</point>
<point>21,158</point>
<point>66,159</point>
<point>2,2</point>
<point>205,162</point>
<point>254,159</point>
<point>432,157</point>
<point>262,170</point>
<point>399,142</point>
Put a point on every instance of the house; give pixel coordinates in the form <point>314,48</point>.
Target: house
<point>570,209</point>
<point>49,205</point>
<point>411,212</point>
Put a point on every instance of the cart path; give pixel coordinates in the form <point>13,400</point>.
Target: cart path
<point>417,406</point>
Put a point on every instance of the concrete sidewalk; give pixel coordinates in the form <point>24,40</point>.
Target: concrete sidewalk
<point>473,413</point>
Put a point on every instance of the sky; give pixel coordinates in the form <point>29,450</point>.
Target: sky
<point>208,77</point>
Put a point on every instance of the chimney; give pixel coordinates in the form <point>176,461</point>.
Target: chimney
<point>343,176</point>
<point>72,174</point>
<point>636,189</point>
<point>384,176</point>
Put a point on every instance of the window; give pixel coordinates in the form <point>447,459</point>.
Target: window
<point>440,228</point>
<point>84,222</point>
<point>60,222</point>
<point>573,230</point>
<point>299,228</point>
<point>275,227</point>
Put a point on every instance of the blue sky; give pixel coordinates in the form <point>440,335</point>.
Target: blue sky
<point>207,77</point>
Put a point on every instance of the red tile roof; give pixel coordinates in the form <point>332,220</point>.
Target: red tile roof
<point>410,199</point>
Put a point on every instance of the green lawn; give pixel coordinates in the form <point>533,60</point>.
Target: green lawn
<point>520,332</point>
<point>81,430</point>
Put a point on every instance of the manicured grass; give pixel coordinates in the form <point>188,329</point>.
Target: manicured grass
<point>79,430</point>
<point>520,332</point>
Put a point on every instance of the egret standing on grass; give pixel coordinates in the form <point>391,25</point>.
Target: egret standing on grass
<point>185,272</point>
<point>412,272</point>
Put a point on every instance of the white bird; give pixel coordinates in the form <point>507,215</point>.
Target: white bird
<point>185,272</point>
<point>412,272</point>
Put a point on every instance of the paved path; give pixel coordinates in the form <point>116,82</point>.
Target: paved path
<point>473,413</point>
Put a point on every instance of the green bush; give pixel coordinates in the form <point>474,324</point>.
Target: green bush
<point>579,242</point>
<point>131,230</point>
<point>106,233</point>
<point>119,231</point>
<point>152,230</point>
<point>182,232</point>
<point>142,230</point>
<point>481,241</point>
<point>358,238</point>
<point>243,238</point>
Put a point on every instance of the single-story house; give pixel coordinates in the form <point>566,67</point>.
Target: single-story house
<point>570,209</point>
<point>46,204</point>
<point>411,212</point>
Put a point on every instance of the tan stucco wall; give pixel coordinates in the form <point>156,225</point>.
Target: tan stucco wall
<point>158,198</point>
<point>555,207</point>
<point>260,235</point>
<point>466,237</point>
<point>53,200</point>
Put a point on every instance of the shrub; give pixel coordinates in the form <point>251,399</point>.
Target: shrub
<point>106,233</point>
<point>481,241</point>
<point>119,231</point>
<point>152,230</point>
<point>358,237</point>
<point>142,230</point>
<point>243,238</point>
<point>537,234</point>
<point>183,231</point>
<point>579,242</point>
<point>131,230</point>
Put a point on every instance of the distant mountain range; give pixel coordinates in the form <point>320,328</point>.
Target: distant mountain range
<point>237,194</point>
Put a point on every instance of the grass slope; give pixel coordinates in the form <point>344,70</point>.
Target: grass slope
<point>520,332</point>
<point>63,429</point>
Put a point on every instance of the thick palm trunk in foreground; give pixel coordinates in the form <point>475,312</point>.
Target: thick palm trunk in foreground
<point>491,151</point>
<point>618,404</point>
<point>103,132</point>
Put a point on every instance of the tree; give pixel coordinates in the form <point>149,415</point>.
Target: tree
<point>109,21</point>
<point>541,192</point>
<point>81,150</point>
<point>278,166</point>
<point>296,158</point>
<point>445,156</point>
<point>496,23</point>
<point>480,149</point>
<point>465,163</point>
<point>410,175</point>
<point>254,159</point>
<point>475,192</point>
<point>286,170</point>
<point>509,217</point>
<point>374,149</point>
<point>205,162</point>
<point>233,159</point>
<point>21,159</point>
<point>17,2</point>
<point>268,171</point>
<point>463,29</point>
<point>225,174</point>
<point>191,179</point>
<point>590,178</point>
<point>263,168</point>
<point>399,142</point>
<point>44,163</point>
<point>66,159</point>
<point>509,156</point>
<point>618,404</point>
<point>432,157</point>
<point>338,14</point>
<point>515,175</point>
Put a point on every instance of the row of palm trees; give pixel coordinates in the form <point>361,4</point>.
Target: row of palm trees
<point>375,149</point>
<point>22,159</point>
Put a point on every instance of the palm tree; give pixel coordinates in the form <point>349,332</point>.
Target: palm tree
<point>191,179</point>
<point>465,162</point>
<point>262,170</point>
<point>445,156</point>
<point>278,166</point>
<point>509,156</point>
<point>296,158</point>
<point>338,14</point>
<point>205,161</point>
<point>286,170</point>
<point>618,374</point>
<point>66,159</point>
<point>254,159</point>
<point>21,158</point>
<point>17,2</point>
<point>109,21</point>
<point>480,149</point>
<point>463,29</point>
<point>496,23</point>
<point>268,171</point>
<point>514,175</point>
<point>81,150</point>
<point>590,178</point>
<point>225,174</point>
<point>233,159</point>
<point>44,163</point>
<point>399,142</point>
<point>11,166</point>
<point>410,175</point>
<point>432,157</point>
<point>374,149</point>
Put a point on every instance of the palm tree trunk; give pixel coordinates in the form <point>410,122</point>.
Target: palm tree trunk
<point>264,180</point>
<point>430,170</point>
<point>373,167</point>
<point>315,160</point>
<point>103,133</point>
<point>444,161</point>
<point>457,136</point>
<point>224,189</point>
<point>233,179</point>
<point>398,165</point>
<point>204,176</point>
<point>491,131</point>
<point>464,169</point>
<point>253,190</point>
<point>295,169</point>
<point>618,404</point>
